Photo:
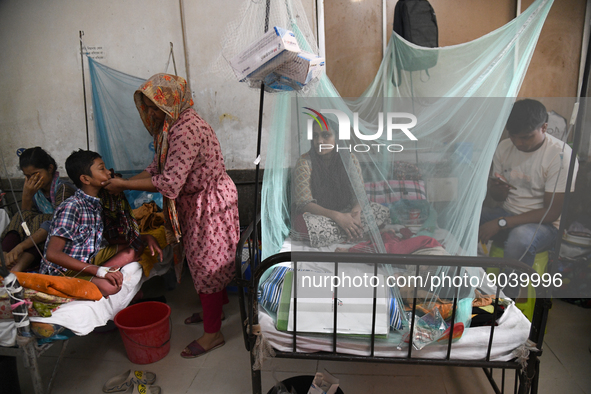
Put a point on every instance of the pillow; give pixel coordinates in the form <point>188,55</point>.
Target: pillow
<point>395,311</point>
<point>270,289</point>
<point>269,292</point>
<point>323,231</point>
<point>387,192</point>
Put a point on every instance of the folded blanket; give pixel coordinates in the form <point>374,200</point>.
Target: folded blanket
<point>148,216</point>
<point>61,286</point>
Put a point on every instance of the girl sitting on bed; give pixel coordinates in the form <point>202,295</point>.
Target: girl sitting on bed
<point>43,191</point>
<point>323,187</point>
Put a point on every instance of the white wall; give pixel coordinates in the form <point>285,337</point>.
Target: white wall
<point>42,102</point>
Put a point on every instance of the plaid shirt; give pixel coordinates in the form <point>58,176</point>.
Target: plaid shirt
<point>79,221</point>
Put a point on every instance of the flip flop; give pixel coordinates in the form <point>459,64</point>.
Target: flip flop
<point>196,319</point>
<point>143,389</point>
<point>196,350</point>
<point>127,379</point>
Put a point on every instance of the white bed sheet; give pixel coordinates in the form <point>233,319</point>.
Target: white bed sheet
<point>511,332</point>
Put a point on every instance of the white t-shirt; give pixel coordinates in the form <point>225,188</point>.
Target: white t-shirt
<point>533,173</point>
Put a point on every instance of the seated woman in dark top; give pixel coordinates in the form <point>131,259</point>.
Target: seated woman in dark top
<point>323,187</point>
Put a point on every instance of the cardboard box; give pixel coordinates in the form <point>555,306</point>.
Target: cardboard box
<point>315,305</point>
<point>265,55</point>
<point>304,68</point>
<point>295,74</point>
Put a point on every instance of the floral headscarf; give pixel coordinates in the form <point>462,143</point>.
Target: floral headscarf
<point>171,95</point>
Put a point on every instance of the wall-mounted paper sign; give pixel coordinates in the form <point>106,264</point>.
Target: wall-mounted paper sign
<point>96,52</point>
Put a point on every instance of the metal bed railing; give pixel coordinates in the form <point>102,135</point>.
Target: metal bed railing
<point>526,380</point>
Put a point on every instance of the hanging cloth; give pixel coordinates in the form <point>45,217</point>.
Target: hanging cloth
<point>121,228</point>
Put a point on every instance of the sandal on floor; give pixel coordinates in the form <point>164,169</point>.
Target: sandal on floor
<point>196,350</point>
<point>196,319</point>
<point>143,389</point>
<point>127,379</point>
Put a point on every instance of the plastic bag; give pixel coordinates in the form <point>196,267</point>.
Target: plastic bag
<point>137,198</point>
<point>427,329</point>
<point>324,383</point>
<point>410,212</point>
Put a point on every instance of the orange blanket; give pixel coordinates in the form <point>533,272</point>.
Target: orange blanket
<point>61,286</point>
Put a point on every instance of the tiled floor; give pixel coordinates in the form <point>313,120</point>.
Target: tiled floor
<point>93,359</point>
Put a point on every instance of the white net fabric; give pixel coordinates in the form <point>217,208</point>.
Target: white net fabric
<point>252,22</point>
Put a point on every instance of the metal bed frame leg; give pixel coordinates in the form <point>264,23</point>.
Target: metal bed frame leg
<point>31,356</point>
<point>255,377</point>
<point>28,346</point>
<point>257,384</point>
<point>533,373</point>
<point>528,377</point>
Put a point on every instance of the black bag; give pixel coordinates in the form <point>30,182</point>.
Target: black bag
<point>415,21</point>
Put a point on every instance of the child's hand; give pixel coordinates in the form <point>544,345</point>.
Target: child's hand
<point>115,278</point>
<point>153,245</point>
<point>14,254</point>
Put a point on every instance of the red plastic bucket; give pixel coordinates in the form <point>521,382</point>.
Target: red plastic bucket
<point>145,330</point>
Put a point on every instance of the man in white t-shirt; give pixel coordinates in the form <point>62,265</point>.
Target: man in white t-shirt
<point>531,168</point>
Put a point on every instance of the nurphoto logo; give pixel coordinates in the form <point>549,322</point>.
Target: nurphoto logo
<point>344,130</point>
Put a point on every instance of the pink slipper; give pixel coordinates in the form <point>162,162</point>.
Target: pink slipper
<point>196,350</point>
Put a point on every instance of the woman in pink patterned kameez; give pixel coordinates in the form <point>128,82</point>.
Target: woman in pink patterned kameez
<point>200,199</point>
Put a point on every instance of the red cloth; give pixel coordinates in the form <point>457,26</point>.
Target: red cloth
<point>397,245</point>
<point>212,310</point>
<point>299,224</point>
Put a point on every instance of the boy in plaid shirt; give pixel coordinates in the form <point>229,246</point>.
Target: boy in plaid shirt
<point>75,246</point>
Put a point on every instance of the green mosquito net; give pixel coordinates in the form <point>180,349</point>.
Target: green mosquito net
<point>416,147</point>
